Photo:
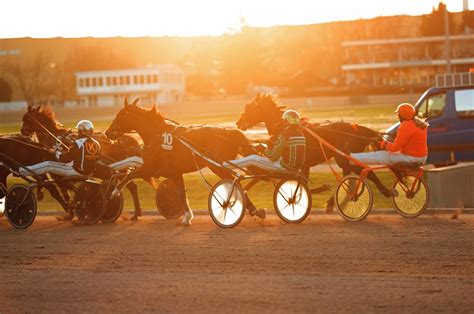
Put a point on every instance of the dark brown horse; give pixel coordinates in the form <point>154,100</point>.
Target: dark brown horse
<point>42,121</point>
<point>347,137</point>
<point>18,150</point>
<point>165,155</point>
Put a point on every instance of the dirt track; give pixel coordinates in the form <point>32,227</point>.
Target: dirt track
<point>384,264</point>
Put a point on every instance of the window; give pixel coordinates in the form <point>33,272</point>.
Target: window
<point>135,79</point>
<point>88,83</point>
<point>127,80</point>
<point>100,81</point>
<point>149,79</point>
<point>81,82</point>
<point>155,78</point>
<point>122,80</point>
<point>464,100</point>
<point>433,107</point>
<point>114,80</point>
<point>108,79</point>
<point>94,81</point>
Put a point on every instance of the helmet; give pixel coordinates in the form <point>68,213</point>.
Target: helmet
<point>292,116</point>
<point>85,127</point>
<point>406,111</point>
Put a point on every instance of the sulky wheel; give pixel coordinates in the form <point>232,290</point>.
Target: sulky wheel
<point>168,201</point>
<point>89,202</point>
<point>354,198</point>
<point>20,206</point>
<point>413,196</point>
<point>114,205</point>
<point>227,203</point>
<point>292,200</point>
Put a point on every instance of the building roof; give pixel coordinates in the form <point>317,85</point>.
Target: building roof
<point>396,41</point>
<point>142,70</point>
<point>403,64</point>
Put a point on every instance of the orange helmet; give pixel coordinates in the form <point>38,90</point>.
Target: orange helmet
<point>406,111</point>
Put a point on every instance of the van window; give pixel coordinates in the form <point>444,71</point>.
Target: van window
<point>434,106</point>
<point>464,100</point>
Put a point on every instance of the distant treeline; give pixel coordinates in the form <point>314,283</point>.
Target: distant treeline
<point>297,59</point>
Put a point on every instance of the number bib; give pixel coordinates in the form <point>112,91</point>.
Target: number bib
<point>167,141</point>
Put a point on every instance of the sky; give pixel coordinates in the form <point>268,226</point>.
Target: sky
<point>132,18</point>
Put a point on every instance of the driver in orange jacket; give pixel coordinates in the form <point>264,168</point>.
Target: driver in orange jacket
<point>410,145</point>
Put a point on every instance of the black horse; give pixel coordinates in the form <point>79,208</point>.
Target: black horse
<point>166,156</point>
<point>347,137</point>
<point>42,122</point>
<point>18,150</point>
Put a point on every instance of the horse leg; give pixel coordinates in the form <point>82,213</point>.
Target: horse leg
<point>53,191</point>
<point>252,209</point>
<point>346,170</point>
<point>132,187</point>
<point>3,182</point>
<point>188,213</point>
<point>373,177</point>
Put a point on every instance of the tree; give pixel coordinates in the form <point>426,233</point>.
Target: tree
<point>32,77</point>
<point>433,24</point>
<point>5,91</point>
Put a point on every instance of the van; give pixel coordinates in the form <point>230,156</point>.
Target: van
<point>448,107</point>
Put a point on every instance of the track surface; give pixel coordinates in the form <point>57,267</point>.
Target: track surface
<point>384,264</point>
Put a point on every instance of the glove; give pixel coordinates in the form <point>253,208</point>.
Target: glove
<point>57,154</point>
<point>382,144</point>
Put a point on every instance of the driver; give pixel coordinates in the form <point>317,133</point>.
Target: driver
<point>80,160</point>
<point>286,152</point>
<point>410,145</point>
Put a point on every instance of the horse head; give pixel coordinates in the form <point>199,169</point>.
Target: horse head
<point>40,120</point>
<point>134,118</point>
<point>262,108</point>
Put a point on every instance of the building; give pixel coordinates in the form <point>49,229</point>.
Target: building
<point>404,61</point>
<point>161,84</point>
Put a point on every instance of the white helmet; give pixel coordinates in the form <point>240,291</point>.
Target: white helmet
<point>85,127</point>
<point>292,116</point>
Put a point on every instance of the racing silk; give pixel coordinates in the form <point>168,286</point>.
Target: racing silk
<point>290,146</point>
<point>84,153</point>
<point>411,139</point>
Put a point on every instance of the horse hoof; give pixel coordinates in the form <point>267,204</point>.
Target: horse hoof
<point>65,217</point>
<point>260,213</point>
<point>329,209</point>
<point>115,193</point>
<point>187,219</point>
<point>135,217</point>
<point>39,195</point>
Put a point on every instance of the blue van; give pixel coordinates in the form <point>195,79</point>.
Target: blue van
<point>449,109</point>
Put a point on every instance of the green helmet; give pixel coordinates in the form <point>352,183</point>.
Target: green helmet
<point>292,116</point>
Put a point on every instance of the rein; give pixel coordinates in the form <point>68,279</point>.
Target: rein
<point>352,135</point>
<point>24,143</point>
<point>47,131</point>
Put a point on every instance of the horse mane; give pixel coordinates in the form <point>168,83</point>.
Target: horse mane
<point>269,99</point>
<point>48,113</point>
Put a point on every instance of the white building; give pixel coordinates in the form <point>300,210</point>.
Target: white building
<point>161,84</point>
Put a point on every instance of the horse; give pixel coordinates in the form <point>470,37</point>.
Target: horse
<point>349,138</point>
<point>41,121</point>
<point>18,150</point>
<point>165,155</point>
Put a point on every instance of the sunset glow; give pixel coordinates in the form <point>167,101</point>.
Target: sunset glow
<point>52,18</point>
